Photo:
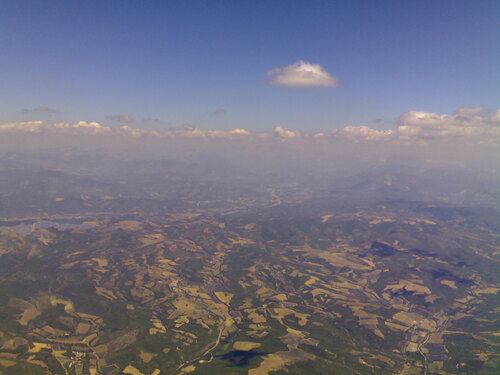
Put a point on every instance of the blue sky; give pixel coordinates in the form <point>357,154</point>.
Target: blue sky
<point>168,64</point>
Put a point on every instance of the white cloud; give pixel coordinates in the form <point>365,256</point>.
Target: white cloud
<point>466,122</point>
<point>364,133</point>
<point>419,118</point>
<point>239,131</point>
<point>24,126</point>
<point>81,127</point>
<point>465,125</point>
<point>94,128</point>
<point>284,133</point>
<point>302,74</point>
<point>199,133</point>
<point>220,111</point>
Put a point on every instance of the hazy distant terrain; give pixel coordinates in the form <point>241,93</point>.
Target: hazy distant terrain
<point>174,266</point>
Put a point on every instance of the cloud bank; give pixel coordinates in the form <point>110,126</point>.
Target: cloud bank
<point>301,74</point>
<point>467,124</point>
<point>81,127</point>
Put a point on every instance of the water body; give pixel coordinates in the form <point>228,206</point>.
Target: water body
<point>25,229</point>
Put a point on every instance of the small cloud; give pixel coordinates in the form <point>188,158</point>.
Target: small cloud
<point>21,127</point>
<point>220,111</point>
<point>302,75</point>
<point>46,110</point>
<point>191,132</point>
<point>364,133</point>
<point>239,131</point>
<point>284,133</point>
<point>121,118</point>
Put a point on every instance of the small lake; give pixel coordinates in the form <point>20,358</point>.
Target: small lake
<point>43,224</point>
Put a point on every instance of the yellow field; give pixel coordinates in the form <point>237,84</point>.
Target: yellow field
<point>399,327</point>
<point>224,297</point>
<point>256,317</point>
<point>409,286</point>
<point>449,283</point>
<point>410,319</point>
<point>411,347</point>
<point>337,259</point>
<point>318,291</point>
<point>101,349</point>
<point>380,221</point>
<point>6,362</point>
<point>407,318</point>
<point>129,225</point>
<point>146,357</point>
<point>263,293</point>
<point>246,345</point>
<point>280,313</point>
<point>436,338</point>
<point>158,325</point>
<point>69,307</point>
<point>131,370</point>
<point>325,218</point>
<point>31,359</point>
<point>168,261</point>
<point>280,297</point>
<point>9,355</point>
<point>101,262</point>
<point>271,362</point>
<point>83,328</point>
<point>198,312</point>
<point>28,315</point>
<point>241,241</point>
<point>196,292</point>
<point>152,239</point>
<point>188,369</point>
<point>311,281</point>
<point>488,291</point>
<point>105,293</point>
<point>37,346</point>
